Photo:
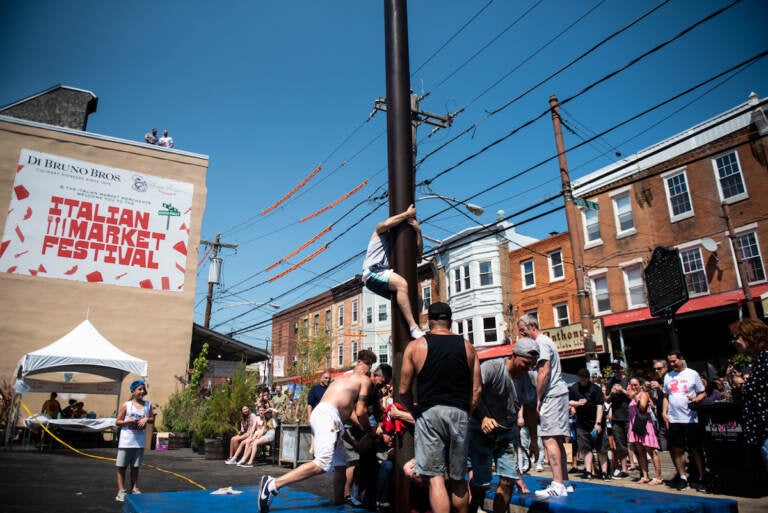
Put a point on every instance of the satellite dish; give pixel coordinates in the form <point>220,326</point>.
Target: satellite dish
<point>709,244</point>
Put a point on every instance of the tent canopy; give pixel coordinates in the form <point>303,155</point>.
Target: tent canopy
<point>83,349</point>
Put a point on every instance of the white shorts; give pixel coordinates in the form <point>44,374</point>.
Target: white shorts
<point>327,430</point>
<point>553,416</point>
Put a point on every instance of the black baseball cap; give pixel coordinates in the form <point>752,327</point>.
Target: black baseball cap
<point>439,312</point>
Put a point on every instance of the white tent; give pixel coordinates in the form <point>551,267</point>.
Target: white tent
<point>83,349</point>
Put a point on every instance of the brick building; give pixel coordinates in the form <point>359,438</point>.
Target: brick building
<point>671,195</point>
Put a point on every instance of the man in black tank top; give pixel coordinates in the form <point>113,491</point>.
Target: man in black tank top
<point>448,385</point>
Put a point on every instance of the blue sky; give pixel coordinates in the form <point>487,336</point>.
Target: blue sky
<point>270,90</point>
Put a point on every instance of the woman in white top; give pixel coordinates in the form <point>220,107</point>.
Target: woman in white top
<point>262,436</point>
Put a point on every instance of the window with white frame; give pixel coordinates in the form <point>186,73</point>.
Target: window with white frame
<point>460,327</point>
<point>383,353</point>
<point>354,350</point>
<point>383,312</point>
<point>369,315</point>
<point>526,270</point>
<point>467,281</point>
<point>622,210</point>
<point>327,320</point>
<point>341,315</point>
<point>633,280</point>
<point>751,257</point>
<point>354,310</point>
<point>533,313</point>
<point>486,273</point>
<point>730,181</point>
<point>693,268</point>
<point>426,295</point>
<point>340,361</point>
<point>678,196</point>
<point>489,329</point>
<point>560,312</point>
<point>470,332</point>
<point>591,227</point>
<point>457,280</point>
<point>601,295</point>
<point>556,270</point>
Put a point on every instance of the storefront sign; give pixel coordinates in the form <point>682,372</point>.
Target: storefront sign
<point>570,341</point>
<point>82,221</point>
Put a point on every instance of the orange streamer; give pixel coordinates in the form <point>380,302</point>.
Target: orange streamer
<point>295,251</point>
<point>331,205</point>
<point>296,266</point>
<point>293,191</point>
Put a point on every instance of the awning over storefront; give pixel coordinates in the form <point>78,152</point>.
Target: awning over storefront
<point>733,298</point>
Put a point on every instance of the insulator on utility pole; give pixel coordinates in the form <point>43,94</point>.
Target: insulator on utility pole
<point>214,273</point>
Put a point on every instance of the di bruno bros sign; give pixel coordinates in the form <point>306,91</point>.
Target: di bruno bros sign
<point>82,221</point>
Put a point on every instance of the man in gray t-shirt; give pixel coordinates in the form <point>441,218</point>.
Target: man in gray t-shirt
<point>493,427</point>
<point>553,407</point>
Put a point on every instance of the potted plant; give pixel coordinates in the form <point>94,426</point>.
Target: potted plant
<point>222,412</point>
<point>185,408</point>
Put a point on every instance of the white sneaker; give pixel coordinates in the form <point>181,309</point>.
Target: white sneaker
<point>553,490</point>
<point>136,491</point>
<point>539,467</point>
<point>120,496</point>
<point>231,461</point>
<point>416,332</point>
<point>568,487</point>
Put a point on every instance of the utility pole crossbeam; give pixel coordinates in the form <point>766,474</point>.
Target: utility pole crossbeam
<point>576,238</point>
<point>216,245</point>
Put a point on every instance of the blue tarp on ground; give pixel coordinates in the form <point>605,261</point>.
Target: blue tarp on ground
<point>202,501</point>
<point>600,498</point>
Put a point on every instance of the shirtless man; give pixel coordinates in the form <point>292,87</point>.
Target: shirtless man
<point>345,399</point>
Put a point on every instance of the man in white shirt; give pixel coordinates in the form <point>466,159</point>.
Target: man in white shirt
<point>682,388</point>
<point>553,406</point>
<point>166,141</point>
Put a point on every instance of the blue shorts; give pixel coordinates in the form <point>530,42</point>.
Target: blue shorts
<point>499,448</point>
<point>441,433</point>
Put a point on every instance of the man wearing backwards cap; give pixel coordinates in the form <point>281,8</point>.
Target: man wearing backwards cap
<point>133,417</point>
<point>448,384</point>
<point>494,434</point>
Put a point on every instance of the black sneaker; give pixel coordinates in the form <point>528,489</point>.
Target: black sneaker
<point>699,486</point>
<point>574,470</point>
<point>265,496</point>
<point>587,475</point>
<point>606,476</point>
<point>620,475</point>
<point>683,485</point>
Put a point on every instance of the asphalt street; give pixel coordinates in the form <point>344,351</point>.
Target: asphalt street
<point>61,480</point>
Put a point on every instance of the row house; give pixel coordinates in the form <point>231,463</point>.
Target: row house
<point>672,195</point>
<point>346,319</point>
<point>543,283</point>
<point>472,267</point>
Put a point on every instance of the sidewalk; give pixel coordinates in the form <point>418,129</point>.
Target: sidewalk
<point>64,481</point>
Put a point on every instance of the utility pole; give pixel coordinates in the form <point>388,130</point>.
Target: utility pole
<point>214,273</point>
<point>751,312</point>
<point>402,191</point>
<point>574,231</point>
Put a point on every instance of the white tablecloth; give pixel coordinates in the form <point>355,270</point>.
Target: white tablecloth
<point>101,424</point>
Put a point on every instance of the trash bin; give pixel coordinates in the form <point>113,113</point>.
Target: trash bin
<point>736,468</point>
